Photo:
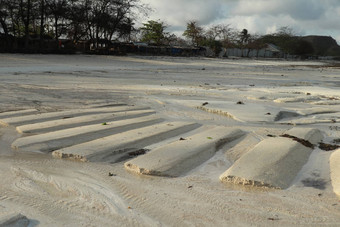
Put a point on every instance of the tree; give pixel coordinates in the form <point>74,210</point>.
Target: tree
<point>154,32</point>
<point>177,41</point>
<point>11,8</point>
<point>25,13</point>
<point>126,29</point>
<point>57,10</point>
<point>226,35</point>
<point>303,47</point>
<point>225,32</point>
<point>76,19</point>
<point>220,35</point>
<point>244,37</point>
<point>42,21</point>
<point>110,19</point>
<point>194,32</point>
<point>77,26</point>
<point>214,45</point>
<point>255,43</point>
<point>3,16</point>
<point>286,39</point>
<point>285,31</point>
<point>213,32</point>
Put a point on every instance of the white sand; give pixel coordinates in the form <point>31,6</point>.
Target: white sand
<point>274,162</point>
<point>179,157</point>
<point>56,192</point>
<point>335,171</point>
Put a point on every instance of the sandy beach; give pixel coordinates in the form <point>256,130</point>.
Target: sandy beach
<point>163,141</point>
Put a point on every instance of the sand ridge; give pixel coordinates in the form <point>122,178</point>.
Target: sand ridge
<point>54,192</point>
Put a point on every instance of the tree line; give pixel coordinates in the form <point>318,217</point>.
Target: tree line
<point>95,20</point>
<point>221,36</point>
<point>73,19</point>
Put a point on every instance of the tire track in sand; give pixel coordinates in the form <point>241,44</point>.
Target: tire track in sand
<point>75,195</point>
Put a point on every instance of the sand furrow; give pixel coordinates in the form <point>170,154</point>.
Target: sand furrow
<point>266,97</point>
<point>181,156</point>
<point>17,113</point>
<point>67,137</point>
<point>41,117</point>
<point>55,125</point>
<point>139,138</point>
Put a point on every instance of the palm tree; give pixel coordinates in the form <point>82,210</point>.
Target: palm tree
<point>244,36</point>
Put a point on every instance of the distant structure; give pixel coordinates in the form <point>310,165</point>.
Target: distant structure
<point>324,47</point>
<point>269,51</point>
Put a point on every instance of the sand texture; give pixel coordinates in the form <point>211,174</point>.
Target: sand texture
<point>335,171</point>
<point>157,141</point>
<point>183,155</point>
<point>274,162</point>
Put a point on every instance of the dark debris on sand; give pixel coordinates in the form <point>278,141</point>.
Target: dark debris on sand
<point>328,147</point>
<point>314,183</point>
<point>138,152</point>
<point>304,142</point>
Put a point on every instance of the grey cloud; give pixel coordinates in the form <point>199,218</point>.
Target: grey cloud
<point>318,17</point>
<point>178,12</point>
<point>306,10</point>
<point>297,9</point>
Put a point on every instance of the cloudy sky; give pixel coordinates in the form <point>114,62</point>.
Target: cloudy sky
<point>306,17</point>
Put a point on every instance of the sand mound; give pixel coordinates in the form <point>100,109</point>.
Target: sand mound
<point>274,162</point>
<point>244,111</point>
<point>183,155</point>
